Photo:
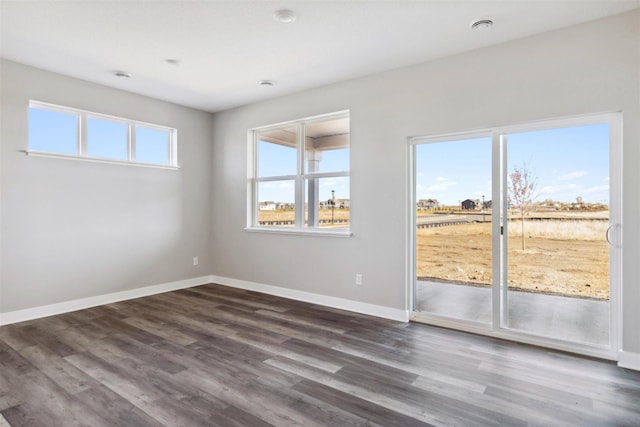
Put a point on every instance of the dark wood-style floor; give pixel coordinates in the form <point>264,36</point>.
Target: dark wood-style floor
<point>213,355</point>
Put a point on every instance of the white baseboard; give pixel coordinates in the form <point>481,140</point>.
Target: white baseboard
<point>340,303</point>
<point>4,422</point>
<point>629,360</point>
<point>79,304</point>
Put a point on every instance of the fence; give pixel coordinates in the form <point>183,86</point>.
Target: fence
<point>292,222</point>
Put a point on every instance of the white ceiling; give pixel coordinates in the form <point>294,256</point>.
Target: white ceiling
<point>226,47</point>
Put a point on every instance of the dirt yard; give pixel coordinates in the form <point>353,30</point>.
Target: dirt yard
<point>575,264</point>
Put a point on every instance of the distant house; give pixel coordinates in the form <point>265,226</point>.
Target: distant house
<point>339,203</point>
<point>267,206</point>
<point>284,206</point>
<point>342,203</point>
<point>468,205</point>
<point>428,204</point>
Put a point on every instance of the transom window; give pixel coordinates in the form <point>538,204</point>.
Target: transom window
<point>68,132</point>
<point>299,181</point>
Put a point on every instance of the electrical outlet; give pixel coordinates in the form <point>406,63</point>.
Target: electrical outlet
<point>358,279</point>
<point>195,260</point>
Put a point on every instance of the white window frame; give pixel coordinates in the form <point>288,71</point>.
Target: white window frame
<point>82,122</point>
<point>299,179</point>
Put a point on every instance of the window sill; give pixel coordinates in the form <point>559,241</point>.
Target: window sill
<point>97,160</point>
<point>297,231</point>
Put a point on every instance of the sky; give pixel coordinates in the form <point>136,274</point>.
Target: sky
<point>568,163</point>
<point>278,160</point>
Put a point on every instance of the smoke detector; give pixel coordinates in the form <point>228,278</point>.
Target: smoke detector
<point>284,16</point>
<point>482,24</point>
<point>122,75</point>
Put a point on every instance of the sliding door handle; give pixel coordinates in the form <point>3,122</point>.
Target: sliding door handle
<point>607,235</point>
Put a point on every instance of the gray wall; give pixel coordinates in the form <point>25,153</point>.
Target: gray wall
<point>590,68</point>
<point>74,229</point>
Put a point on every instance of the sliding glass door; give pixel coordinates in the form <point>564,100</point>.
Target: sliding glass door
<point>453,228</point>
<point>557,255</point>
<point>516,232</point>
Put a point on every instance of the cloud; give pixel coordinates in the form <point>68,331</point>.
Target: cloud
<point>434,190</point>
<point>597,189</point>
<point>559,189</point>
<point>569,192</point>
<point>327,182</point>
<point>572,175</point>
<point>277,184</point>
<point>443,184</point>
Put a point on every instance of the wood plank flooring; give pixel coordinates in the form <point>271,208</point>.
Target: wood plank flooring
<point>218,356</point>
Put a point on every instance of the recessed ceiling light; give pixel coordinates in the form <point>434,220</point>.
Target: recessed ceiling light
<point>284,16</point>
<point>173,62</point>
<point>122,75</point>
<point>265,83</point>
<point>482,23</point>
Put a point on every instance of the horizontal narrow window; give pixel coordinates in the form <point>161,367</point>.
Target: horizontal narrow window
<point>68,132</point>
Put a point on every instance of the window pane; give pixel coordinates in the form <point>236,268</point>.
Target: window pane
<point>53,131</point>
<point>276,203</point>
<point>152,145</point>
<point>277,154</point>
<point>106,139</point>
<point>327,202</point>
<point>327,146</point>
<point>557,251</point>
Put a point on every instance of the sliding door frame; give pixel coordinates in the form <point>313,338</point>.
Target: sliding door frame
<point>499,238</point>
<point>449,322</point>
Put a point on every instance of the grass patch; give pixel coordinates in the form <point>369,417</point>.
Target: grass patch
<point>591,230</point>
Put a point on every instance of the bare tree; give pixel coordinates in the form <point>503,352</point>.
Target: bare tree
<point>523,185</point>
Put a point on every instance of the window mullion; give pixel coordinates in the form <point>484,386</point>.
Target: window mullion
<point>254,179</point>
<point>325,175</point>
<point>277,178</point>
<point>173,156</point>
<point>131,146</point>
<point>299,181</point>
<point>82,134</point>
